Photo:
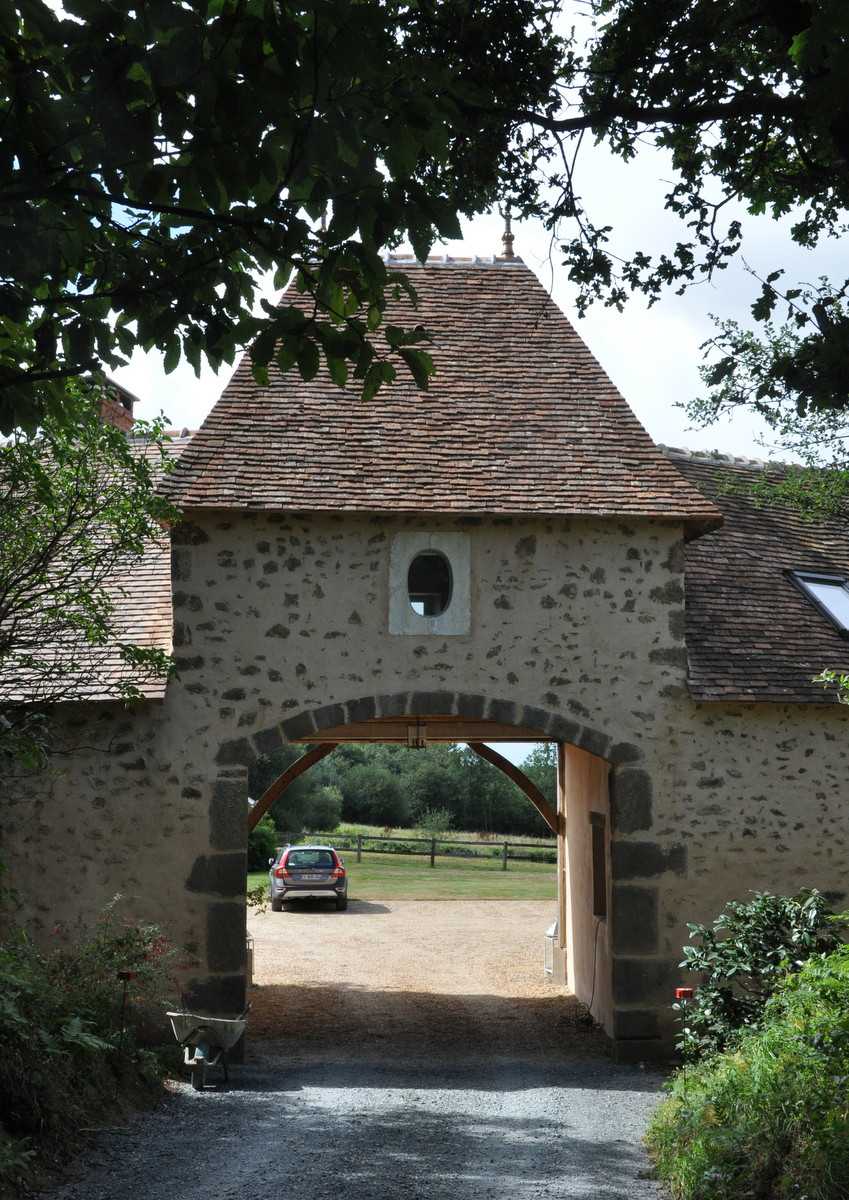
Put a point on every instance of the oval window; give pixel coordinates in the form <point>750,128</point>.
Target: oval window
<point>429,583</point>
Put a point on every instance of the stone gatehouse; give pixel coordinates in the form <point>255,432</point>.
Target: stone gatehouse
<point>507,556</point>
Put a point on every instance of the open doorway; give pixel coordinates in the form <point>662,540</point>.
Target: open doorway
<point>408,795</point>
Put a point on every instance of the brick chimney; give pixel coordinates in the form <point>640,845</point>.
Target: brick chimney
<point>116,406</point>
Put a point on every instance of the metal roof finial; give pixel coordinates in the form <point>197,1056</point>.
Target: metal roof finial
<point>507,237</point>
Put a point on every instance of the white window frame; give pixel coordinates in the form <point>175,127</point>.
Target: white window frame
<point>808,581</point>
<point>455,548</point>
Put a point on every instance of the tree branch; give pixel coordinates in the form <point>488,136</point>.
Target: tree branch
<point>684,114</point>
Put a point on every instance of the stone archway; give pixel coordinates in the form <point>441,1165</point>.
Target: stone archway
<point>604,796</point>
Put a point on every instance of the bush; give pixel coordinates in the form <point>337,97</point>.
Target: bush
<point>768,1119</point>
<point>749,951</point>
<point>66,1034</point>
<point>434,822</point>
<point>262,844</point>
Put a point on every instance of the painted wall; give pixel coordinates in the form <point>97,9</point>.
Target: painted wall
<point>587,893</point>
<point>575,629</point>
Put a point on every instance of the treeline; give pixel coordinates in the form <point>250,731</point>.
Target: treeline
<point>399,787</point>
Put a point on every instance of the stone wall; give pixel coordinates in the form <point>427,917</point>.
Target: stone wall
<point>575,629</point>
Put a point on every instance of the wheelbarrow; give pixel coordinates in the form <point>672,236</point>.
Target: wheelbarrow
<point>206,1040</point>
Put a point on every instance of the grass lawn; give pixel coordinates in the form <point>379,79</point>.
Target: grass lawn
<point>409,877</point>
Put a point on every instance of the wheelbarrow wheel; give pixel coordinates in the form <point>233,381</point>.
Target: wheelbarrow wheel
<point>198,1074</point>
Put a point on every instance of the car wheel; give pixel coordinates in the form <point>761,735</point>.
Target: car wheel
<point>276,903</point>
<point>341,903</point>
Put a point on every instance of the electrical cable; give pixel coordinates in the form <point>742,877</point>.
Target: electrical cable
<point>584,1018</point>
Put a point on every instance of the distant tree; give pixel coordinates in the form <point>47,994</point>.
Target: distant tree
<point>540,766</point>
<point>491,802</point>
<point>77,514</point>
<point>432,782</point>
<point>269,767</point>
<point>372,795</point>
<point>325,809</point>
<point>307,803</point>
<point>262,844</point>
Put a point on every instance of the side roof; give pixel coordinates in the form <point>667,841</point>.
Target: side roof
<point>751,634</point>
<point>519,418</point>
<point>140,590</point>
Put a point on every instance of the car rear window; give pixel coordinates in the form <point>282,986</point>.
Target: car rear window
<point>322,859</point>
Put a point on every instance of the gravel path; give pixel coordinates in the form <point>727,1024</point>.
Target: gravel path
<point>399,1051</point>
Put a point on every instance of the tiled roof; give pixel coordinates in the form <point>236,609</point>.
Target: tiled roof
<point>141,595</point>
<point>520,418</point>
<point>751,634</point>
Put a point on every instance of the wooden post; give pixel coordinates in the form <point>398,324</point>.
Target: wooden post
<point>359,847</point>
<point>504,858</point>
<point>433,852</point>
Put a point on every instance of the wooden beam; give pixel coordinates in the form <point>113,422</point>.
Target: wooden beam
<point>521,780</point>
<point>282,781</point>
<point>439,729</point>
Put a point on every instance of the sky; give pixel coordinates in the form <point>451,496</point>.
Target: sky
<point>651,354</point>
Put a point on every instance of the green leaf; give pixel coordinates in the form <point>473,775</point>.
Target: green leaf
<point>420,365</point>
<point>308,361</point>
<point>171,359</point>
<point>379,373</point>
<point>338,369</point>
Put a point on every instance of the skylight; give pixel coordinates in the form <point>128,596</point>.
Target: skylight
<point>829,593</point>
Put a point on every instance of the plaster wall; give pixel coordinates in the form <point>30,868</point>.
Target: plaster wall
<point>588,944</point>
<point>576,629</point>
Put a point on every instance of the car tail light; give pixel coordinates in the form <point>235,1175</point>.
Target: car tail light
<point>281,872</point>
<point>337,873</point>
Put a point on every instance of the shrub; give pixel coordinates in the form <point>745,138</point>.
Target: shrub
<point>767,1119</point>
<point>66,1034</point>
<point>434,822</point>
<point>262,844</point>
<point>748,952</point>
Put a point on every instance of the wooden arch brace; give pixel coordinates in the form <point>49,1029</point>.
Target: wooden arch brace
<point>282,781</point>
<point>521,780</point>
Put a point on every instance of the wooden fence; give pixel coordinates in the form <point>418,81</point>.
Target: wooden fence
<point>478,849</point>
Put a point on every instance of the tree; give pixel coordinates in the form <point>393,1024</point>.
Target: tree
<point>431,782</point>
<point>750,102</point>
<point>540,766</point>
<point>262,844</point>
<point>158,159</point>
<point>373,795</point>
<point>78,516</point>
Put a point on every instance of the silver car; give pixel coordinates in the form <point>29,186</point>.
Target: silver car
<point>307,871</point>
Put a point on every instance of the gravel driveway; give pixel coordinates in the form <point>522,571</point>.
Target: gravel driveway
<point>402,1050</point>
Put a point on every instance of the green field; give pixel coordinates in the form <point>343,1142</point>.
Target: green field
<point>409,877</point>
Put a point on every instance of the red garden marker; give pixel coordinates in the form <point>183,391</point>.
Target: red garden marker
<point>684,993</point>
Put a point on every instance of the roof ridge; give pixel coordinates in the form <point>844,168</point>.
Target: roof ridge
<point>436,260</point>
<point>715,456</point>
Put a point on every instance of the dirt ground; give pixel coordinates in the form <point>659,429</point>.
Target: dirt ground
<point>413,979</point>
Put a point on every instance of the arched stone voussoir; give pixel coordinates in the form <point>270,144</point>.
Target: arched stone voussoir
<point>450,704</point>
<point>237,753</point>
